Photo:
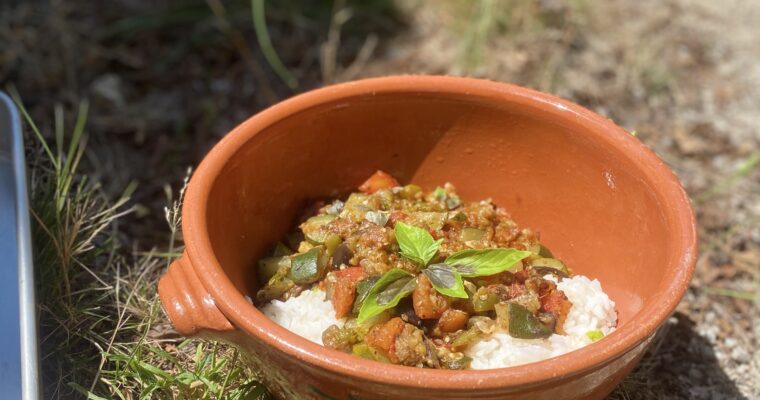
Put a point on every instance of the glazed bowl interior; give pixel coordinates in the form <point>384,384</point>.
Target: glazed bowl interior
<point>594,204</point>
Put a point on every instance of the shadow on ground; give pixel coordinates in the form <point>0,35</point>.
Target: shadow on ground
<point>681,364</point>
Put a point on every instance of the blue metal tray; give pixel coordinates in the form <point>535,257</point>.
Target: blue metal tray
<point>19,365</point>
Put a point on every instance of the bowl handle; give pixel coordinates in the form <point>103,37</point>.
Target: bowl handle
<point>188,304</point>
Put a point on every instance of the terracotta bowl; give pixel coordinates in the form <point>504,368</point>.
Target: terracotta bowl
<point>602,201</point>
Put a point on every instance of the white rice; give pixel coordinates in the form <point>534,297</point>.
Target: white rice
<point>309,314</point>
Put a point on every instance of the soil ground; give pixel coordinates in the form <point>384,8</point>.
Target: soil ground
<point>166,80</point>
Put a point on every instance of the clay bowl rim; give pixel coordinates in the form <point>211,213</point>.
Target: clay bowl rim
<point>251,321</point>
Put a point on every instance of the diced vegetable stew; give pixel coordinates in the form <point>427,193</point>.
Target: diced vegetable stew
<point>418,276</point>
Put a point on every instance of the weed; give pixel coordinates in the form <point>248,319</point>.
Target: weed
<point>100,316</point>
<point>265,42</point>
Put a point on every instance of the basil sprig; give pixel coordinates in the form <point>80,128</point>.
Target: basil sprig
<point>446,280</point>
<point>393,286</point>
<point>419,246</point>
<point>416,244</point>
<point>471,263</point>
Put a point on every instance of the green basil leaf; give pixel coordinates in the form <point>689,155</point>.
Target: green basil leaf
<point>395,291</point>
<point>483,262</point>
<point>446,280</point>
<point>362,291</point>
<point>387,292</point>
<point>416,244</point>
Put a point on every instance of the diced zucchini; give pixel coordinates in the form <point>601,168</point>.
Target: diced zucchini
<point>465,338</point>
<point>281,250</point>
<point>270,265</point>
<point>484,300</point>
<point>276,287</point>
<point>520,322</point>
<point>432,220</point>
<point>309,267</point>
<point>332,242</point>
<point>295,239</point>
<point>410,192</point>
<point>365,351</point>
<point>313,228</point>
<point>470,234</point>
<point>545,252</point>
<point>549,263</point>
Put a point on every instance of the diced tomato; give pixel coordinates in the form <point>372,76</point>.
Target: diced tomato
<point>396,216</point>
<point>557,303</point>
<point>516,289</point>
<point>352,274</point>
<point>427,302</point>
<point>378,180</point>
<point>383,336</point>
<point>344,290</point>
<point>452,320</point>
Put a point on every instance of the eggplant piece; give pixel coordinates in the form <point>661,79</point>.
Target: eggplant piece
<point>431,356</point>
<point>406,312</point>
<point>342,255</point>
<point>294,240</point>
<point>548,319</point>
<point>455,361</point>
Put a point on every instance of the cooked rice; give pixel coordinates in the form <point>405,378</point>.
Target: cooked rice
<point>309,314</point>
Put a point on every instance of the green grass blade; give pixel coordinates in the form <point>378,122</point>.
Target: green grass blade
<point>17,99</point>
<point>737,294</point>
<point>265,42</point>
<point>742,170</point>
<point>59,128</point>
<point>76,137</point>
<point>89,395</point>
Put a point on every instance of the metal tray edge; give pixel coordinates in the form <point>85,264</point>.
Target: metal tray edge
<point>30,383</point>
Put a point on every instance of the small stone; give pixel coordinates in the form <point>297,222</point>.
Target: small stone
<point>110,89</point>
<point>740,355</point>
